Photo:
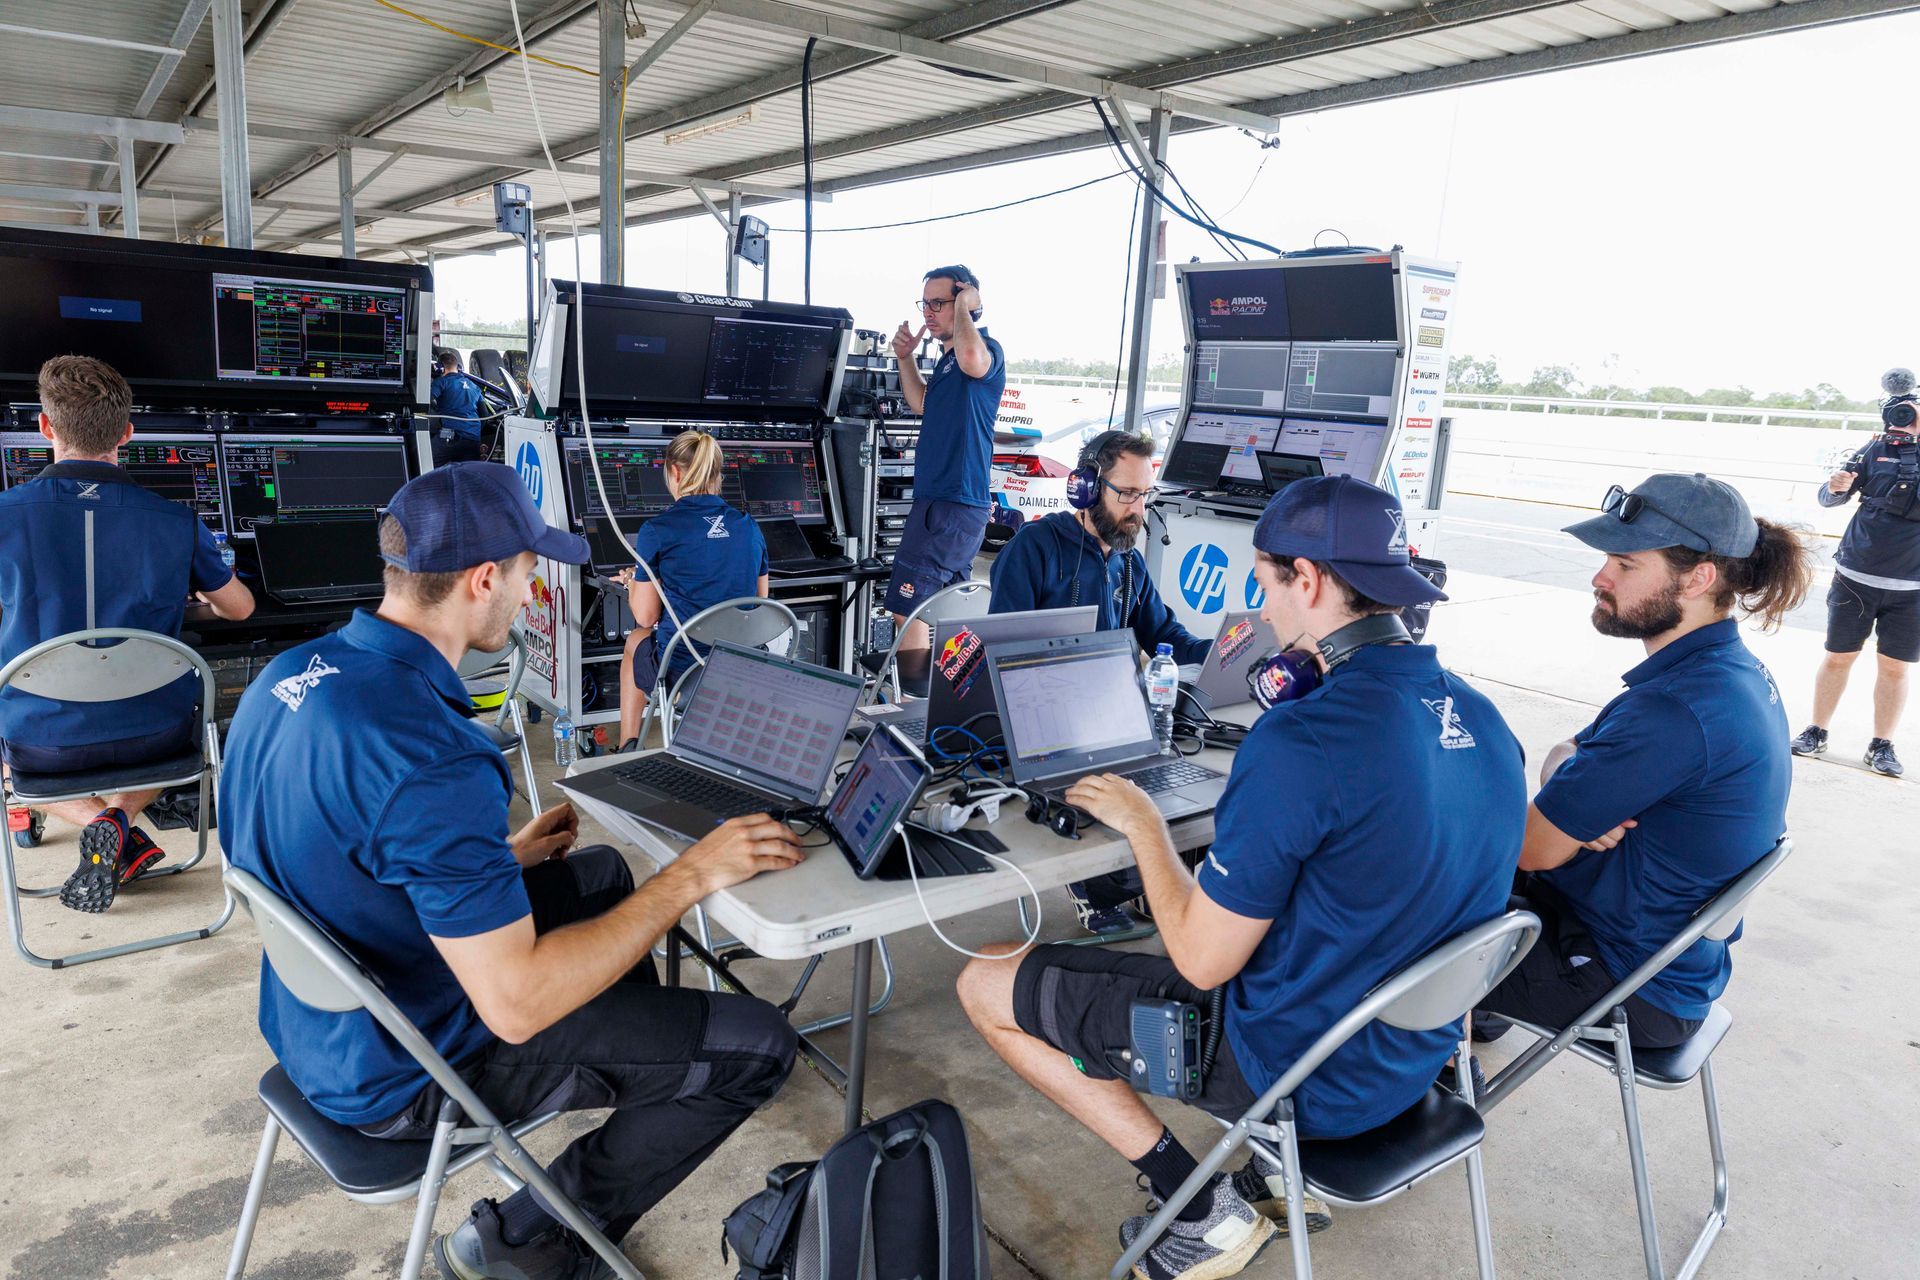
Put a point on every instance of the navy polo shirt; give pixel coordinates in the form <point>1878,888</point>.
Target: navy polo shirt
<point>357,788</point>
<point>1696,752</point>
<point>704,551</point>
<point>1370,821</point>
<point>149,554</point>
<point>1054,563</point>
<point>456,397</point>
<point>955,453</point>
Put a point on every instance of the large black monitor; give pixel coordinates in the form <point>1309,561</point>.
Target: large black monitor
<point>781,363</point>
<point>312,331</point>
<point>1241,375</point>
<point>1340,299</point>
<point>306,561</point>
<point>1239,305</point>
<point>184,468</point>
<point>634,472</point>
<point>767,480</point>
<point>304,478</point>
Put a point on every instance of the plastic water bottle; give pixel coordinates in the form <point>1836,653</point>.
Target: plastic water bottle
<point>226,549</point>
<point>1163,690</point>
<point>563,740</point>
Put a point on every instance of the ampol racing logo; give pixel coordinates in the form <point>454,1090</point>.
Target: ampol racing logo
<point>1237,640</point>
<point>959,660</point>
<point>1203,578</point>
<point>527,463</point>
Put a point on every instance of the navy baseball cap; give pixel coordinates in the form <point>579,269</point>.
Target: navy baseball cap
<point>458,516</point>
<point>1672,510</point>
<point>1358,528</point>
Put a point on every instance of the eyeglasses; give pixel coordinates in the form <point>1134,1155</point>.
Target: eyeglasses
<point>1626,507</point>
<point>1126,497</point>
<point>934,306</point>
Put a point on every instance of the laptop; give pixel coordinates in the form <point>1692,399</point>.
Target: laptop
<point>789,554</point>
<point>959,692</point>
<point>760,735</point>
<point>1221,680</point>
<point>871,806</point>
<point>1074,707</point>
<point>313,561</point>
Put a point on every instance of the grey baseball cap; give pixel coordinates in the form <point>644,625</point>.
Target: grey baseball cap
<point>1672,510</point>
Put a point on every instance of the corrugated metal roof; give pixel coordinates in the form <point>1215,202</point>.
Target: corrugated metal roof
<point>344,65</point>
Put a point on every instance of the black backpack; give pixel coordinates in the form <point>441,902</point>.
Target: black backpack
<point>817,1220</point>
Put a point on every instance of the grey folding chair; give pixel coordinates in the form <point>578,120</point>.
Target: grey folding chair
<point>1440,1130</point>
<point>754,622</point>
<point>968,599</point>
<point>497,675</point>
<point>371,1170</point>
<point>1588,1037</point>
<point>75,668</point>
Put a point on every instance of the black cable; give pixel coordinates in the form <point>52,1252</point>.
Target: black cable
<point>1193,202</point>
<point>1126,286</point>
<point>1162,197</point>
<point>964,213</point>
<point>1114,144</point>
<point>806,159</point>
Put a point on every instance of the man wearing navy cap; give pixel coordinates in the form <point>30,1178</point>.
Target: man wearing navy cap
<point>1680,784</point>
<point>357,787</point>
<point>1364,824</point>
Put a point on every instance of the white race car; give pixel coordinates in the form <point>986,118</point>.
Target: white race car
<point>1031,464</point>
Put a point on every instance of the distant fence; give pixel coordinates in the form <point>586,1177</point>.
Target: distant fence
<point>1066,380</point>
<point>1742,414</point>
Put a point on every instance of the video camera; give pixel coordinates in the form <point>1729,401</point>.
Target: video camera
<point>1901,409</point>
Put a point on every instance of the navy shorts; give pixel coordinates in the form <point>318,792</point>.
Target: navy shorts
<point>646,662</point>
<point>936,550</point>
<point>1855,610</point>
<point>84,757</point>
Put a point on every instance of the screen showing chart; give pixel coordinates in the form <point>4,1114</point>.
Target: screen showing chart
<point>272,478</point>
<point>877,793</point>
<point>270,330</point>
<point>782,720</point>
<point>1241,375</point>
<point>1346,380</point>
<point>183,468</point>
<point>769,362</point>
<point>1072,702</point>
<point>765,480</point>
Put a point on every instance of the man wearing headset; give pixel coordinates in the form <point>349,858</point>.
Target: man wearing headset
<point>953,460</point>
<point>1087,556</point>
<point>1876,578</point>
<point>1366,822</point>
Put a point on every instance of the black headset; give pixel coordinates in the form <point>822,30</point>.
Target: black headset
<point>961,277</point>
<point>1084,485</point>
<point>1289,676</point>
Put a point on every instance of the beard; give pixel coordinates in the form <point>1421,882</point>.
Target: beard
<point>1118,533</point>
<point>496,628</point>
<point>1647,619</point>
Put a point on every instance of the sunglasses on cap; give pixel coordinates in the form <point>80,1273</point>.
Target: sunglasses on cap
<point>1626,507</point>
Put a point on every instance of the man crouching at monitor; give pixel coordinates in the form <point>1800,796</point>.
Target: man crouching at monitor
<point>1364,824</point>
<point>358,788</point>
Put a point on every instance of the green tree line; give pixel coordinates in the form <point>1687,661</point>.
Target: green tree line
<point>1469,375</point>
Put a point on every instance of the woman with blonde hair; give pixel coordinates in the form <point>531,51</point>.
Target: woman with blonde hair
<point>702,551</point>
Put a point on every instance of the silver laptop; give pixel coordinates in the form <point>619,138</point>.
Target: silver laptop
<point>759,735</point>
<point>1073,706</point>
<point>1221,679</point>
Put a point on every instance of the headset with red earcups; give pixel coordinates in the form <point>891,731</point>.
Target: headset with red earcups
<point>1293,674</point>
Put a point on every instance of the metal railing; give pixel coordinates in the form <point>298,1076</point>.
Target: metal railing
<point>1743,414</point>
<point>1068,380</point>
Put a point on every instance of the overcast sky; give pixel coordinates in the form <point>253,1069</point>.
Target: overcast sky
<point>1743,215</point>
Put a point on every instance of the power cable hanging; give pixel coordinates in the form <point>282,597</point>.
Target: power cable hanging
<point>1126,285</point>
<point>1154,189</point>
<point>964,213</point>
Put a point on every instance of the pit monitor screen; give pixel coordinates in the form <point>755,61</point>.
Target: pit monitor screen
<point>182,468</point>
<point>272,478</point>
<point>304,331</point>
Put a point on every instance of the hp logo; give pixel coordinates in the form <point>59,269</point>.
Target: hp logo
<point>527,463</point>
<point>1256,594</point>
<point>1203,578</point>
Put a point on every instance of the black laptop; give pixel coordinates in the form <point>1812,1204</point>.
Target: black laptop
<point>790,555</point>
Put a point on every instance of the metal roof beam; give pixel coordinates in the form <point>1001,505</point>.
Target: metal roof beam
<point>773,15</point>
<point>360,211</point>
<point>67,195</point>
<point>80,37</point>
<point>183,34</point>
<point>266,17</point>
<point>78,124</point>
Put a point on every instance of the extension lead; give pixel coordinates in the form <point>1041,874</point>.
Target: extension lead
<point>913,874</point>
<point>580,327</point>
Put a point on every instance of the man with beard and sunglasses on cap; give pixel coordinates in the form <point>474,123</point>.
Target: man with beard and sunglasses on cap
<point>1074,558</point>
<point>1680,784</point>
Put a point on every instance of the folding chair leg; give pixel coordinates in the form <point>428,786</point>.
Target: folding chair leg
<point>1296,1202</point>
<point>1636,1146</point>
<point>1716,1216</point>
<point>256,1192</point>
<point>526,757</point>
<point>1482,1228</point>
<point>429,1197</point>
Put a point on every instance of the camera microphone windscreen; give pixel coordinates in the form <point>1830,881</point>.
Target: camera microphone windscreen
<point>1897,382</point>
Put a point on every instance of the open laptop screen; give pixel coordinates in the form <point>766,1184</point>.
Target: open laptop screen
<point>1074,700</point>
<point>878,791</point>
<point>777,722</point>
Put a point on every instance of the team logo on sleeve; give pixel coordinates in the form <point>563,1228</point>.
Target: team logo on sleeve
<point>1453,734</point>
<point>716,526</point>
<point>293,690</point>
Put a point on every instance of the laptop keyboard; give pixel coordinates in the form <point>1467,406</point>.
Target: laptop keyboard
<point>671,778</point>
<point>914,727</point>
<point>1170,776</point>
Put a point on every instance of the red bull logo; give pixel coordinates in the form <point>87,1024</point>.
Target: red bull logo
<point>1237,640</point>
<point>959,656</point>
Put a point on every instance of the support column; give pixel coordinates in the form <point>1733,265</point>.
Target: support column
<point>345,157</point>
<point>230,96</point>
<point>733,233</point>
<point>129,192</point>
<point>613,204</point>
<point>1140,324</point>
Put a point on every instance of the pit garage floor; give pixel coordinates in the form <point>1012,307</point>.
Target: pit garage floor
<point>128,1121</point>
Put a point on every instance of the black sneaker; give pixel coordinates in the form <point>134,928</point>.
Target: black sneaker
<point>1264,1187</point>
<point>1811,742</point>
<point>103,843</point>
<point>1224,1243</point>
<point>1880,758</point>
<point>137,855</point>
<point>1103,922</point>
<point>476,1250</point>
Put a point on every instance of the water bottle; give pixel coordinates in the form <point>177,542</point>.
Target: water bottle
<point>563,740</point>
<point>1163,690</point>
<point>226,549</point>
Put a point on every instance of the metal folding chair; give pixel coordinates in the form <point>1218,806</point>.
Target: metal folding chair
<point>493,682</point>
<point>754,622</point>
<point>1440,1130</point>
<point>969,599</point>
<point>372,1170</point>
<point>74,668</point>
<point>1671,1068</point>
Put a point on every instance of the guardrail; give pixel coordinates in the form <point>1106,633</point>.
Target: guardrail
<point>1066,380</point>
<point>1748,414</point>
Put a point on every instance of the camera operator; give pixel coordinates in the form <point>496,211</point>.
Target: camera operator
<point>1876,577</point>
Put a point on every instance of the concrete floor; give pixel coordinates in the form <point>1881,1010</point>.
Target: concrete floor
<point>128,1120</point>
